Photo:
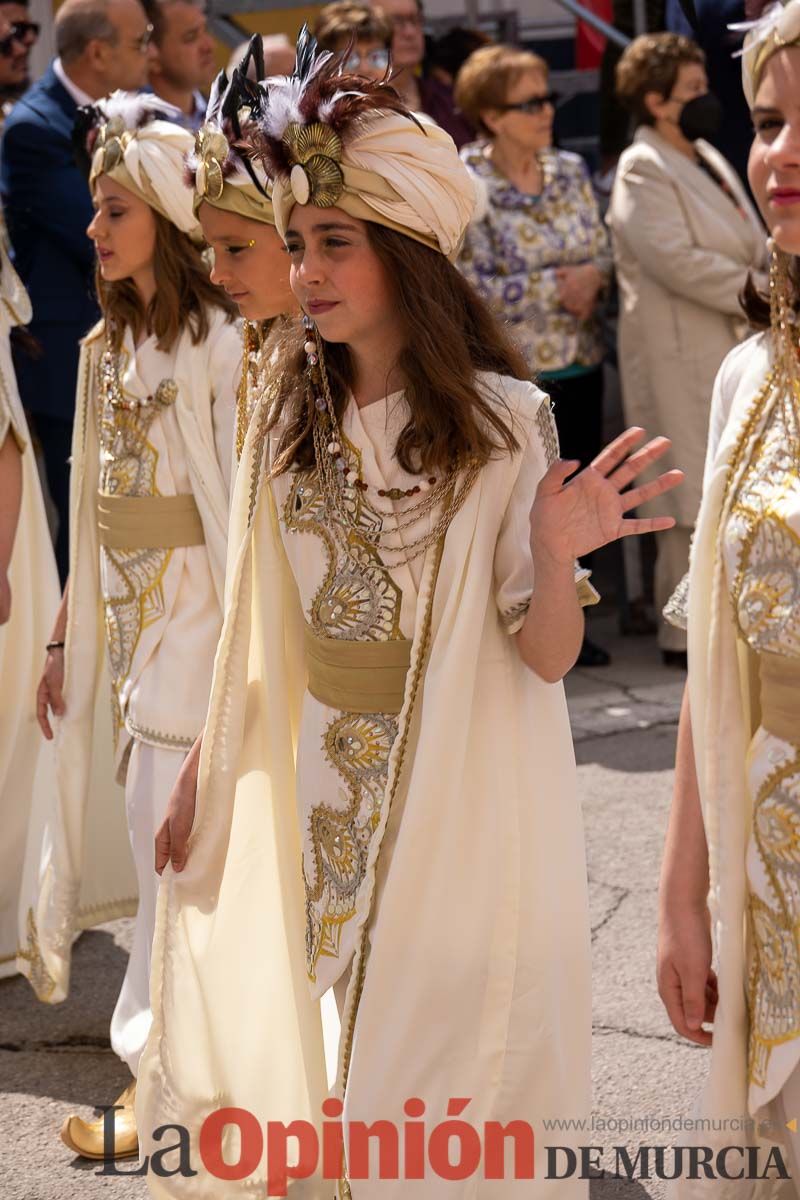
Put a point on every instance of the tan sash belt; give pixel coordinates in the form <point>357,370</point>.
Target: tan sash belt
<point>148,522</point>
<point>780,696</point>
<point>360,677</point>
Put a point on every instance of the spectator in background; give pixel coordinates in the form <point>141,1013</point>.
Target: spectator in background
<point>685,238</point>
<point>708,21</point>
<point>615,122</point>
<point>408,48</point>
<point>445,57</point>
<point>408,52</point>
<point>182,63</point>
<point>101,45</point>
<point>15,50</point>
<point>279,55</point>
<point>363,31</point>
<point>539,252</point>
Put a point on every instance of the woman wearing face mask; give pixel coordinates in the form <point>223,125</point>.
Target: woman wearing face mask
<point>386,798</point>
<point>733,845</point>
<point>685,237</point>
<point>538,251</point>
<point>238,221</point>
<point>151,469</point>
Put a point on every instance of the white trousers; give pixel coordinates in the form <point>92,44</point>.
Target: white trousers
<point>150,778</point>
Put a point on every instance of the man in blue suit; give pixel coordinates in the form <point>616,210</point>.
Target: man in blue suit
<point>100,45</point>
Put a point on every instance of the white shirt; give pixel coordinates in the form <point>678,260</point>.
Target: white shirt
<point>78,94</point>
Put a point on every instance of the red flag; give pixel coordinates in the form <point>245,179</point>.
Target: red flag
<point>590,44</point>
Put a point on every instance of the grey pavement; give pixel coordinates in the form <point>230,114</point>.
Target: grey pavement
<point>57,1060</point>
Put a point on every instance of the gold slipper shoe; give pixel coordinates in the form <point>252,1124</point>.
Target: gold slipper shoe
<point>86,1138</point>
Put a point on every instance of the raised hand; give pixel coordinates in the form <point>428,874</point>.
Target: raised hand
<point>572,517</point>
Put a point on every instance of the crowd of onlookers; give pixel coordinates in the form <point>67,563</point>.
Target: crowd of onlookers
<point>671,254</point>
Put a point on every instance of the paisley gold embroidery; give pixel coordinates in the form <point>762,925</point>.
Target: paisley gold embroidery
<point>765,597</point>
<point>765,589</point>
<point>774,976</point>
<point>357,600</point>
<point>133,596</point>
<point>546,425</point>
<point>40,978</point>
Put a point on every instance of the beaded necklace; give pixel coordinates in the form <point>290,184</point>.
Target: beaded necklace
<point>112,391</point>
<point>338,469</point>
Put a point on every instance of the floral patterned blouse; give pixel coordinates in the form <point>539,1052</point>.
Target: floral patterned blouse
<point>511,255</point>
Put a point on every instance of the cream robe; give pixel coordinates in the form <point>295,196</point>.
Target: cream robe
<point>24,757</point>
<point>683,249</point>
<point>475,985</point>
<point>725,713</point>
<point>80,845</point>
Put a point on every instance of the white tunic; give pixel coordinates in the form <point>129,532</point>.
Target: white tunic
<point>761,549</point>
<point>159,603</point>
<point>121,607</point>
<point>343,758</point>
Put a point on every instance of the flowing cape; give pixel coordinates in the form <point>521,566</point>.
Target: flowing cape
<point>79,870</point>
<point>26,761</point>
<point>474,954</point>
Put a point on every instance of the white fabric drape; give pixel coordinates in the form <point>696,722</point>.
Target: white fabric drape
<point>26,762</point>
<point>474,986</point>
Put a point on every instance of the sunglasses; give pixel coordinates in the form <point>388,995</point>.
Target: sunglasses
<point>535,104</point>
<point>21,31</point>
<point>378,59</point>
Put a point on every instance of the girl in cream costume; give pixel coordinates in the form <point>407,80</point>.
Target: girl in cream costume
<point>29,582</point>
<point>733,845</point>
<point>232,203</point>
<point>386,798</point>
<point>152,454</point>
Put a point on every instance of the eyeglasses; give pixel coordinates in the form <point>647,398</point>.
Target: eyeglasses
<point>378,59</point>
<point>534,105</point>
<point>25,29</point>
<point>25,32</point>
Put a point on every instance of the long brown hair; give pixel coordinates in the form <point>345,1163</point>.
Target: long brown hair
<point>184,292</point>
<point>451,334</point>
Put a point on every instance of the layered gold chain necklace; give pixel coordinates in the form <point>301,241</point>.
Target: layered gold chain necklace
<point>395,536</point>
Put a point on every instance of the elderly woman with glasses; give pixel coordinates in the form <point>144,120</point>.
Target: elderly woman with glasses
<point>362,35</point>
<point>538,252</point>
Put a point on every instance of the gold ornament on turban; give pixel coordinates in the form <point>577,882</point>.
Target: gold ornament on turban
<point>315,152</point>
<point>777,27</point>
<point>211,149</point>
<point>109,146</point>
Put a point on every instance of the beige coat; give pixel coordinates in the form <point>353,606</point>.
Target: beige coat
<point>683,249</point>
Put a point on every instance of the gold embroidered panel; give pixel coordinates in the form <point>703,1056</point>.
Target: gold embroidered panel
<point>357,600</point>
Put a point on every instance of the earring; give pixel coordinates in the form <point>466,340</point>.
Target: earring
<point>782,299</point>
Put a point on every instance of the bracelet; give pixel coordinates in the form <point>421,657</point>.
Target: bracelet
<point>55,645</point>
